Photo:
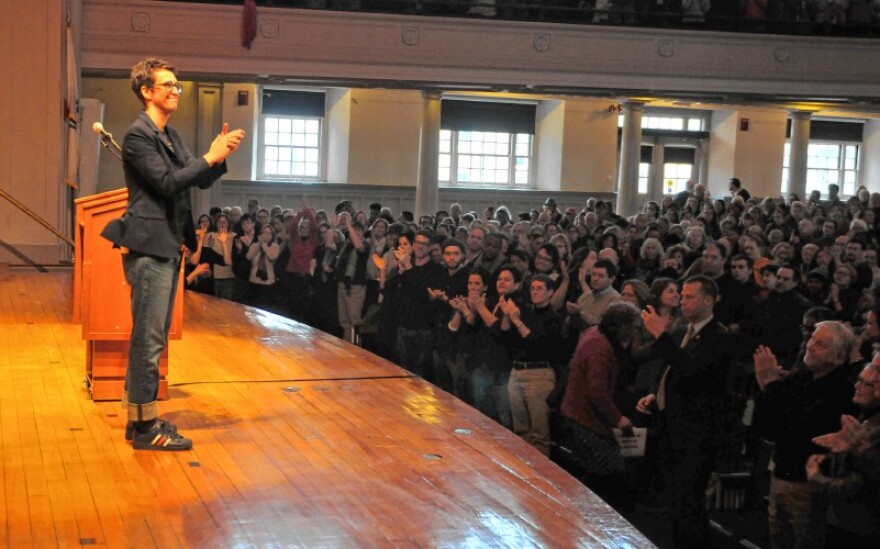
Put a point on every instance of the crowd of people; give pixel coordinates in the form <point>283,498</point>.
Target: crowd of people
<point>717,323</point>
<point>751,15</point>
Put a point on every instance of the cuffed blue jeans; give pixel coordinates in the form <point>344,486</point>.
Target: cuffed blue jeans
<point>153,283</point>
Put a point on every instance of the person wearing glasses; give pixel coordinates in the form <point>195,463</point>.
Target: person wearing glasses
<point>159,173</point>
<point>847,479</point>
<point>409,290</point>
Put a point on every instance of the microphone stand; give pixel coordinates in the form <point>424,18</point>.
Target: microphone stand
<point>106,142</point>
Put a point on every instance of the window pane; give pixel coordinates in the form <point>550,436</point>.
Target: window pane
<point>484,158</point>
<point>292,148</point>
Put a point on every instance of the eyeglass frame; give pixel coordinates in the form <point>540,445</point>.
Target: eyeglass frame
<point>169,87</point>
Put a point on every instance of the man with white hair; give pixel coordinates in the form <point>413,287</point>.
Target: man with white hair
<point>798,407</point>
<point>848,479</point>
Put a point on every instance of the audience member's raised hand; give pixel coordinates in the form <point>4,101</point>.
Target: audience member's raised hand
<point>379,262</point>
<point>654,323</point>
<point>434,295</point>
<point>573,308</point>
<point>767,369</point>
<point>853,435</point>
<point>223,235</point>
<point>476,300</point>
<point>460,304</point>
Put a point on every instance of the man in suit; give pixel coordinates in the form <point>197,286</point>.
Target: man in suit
<point>690,401</point>
<point>159,173</point>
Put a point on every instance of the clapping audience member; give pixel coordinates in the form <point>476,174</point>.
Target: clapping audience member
<point>845,482</point>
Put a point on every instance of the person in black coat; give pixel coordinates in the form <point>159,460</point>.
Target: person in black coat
<point>690,403</point>
<point>159,173</point>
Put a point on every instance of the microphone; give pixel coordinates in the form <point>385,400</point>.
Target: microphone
<point>106,136</point>
<point>98,128</point>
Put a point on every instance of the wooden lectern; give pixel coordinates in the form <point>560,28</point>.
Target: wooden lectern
<point>102,299</point>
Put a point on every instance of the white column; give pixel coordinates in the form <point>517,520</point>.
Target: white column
<point>797,159</point>
<point>630,151</point>
<point>427,189</point>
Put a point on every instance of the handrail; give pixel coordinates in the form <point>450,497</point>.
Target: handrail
<point>33,215</point>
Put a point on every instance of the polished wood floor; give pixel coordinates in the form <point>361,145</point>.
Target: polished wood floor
<point>300,441</point>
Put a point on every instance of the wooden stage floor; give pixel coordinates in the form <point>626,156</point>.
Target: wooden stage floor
<point>300,440</point>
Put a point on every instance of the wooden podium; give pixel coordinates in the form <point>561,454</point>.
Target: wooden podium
<point>102,299</point>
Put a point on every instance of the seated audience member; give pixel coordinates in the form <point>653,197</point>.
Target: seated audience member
<point>635,292</point>
<point>843,296</point>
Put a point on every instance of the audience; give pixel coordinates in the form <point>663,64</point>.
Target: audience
<point>529,318</point>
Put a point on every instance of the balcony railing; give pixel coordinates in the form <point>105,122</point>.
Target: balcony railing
<point>840,18</point>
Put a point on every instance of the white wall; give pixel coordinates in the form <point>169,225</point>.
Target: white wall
<point>548,145</point>
<point>385,129</point>
<point>754,156</point>
<point>871,156</point>
<point>589,146</point>
<point>758,158</point>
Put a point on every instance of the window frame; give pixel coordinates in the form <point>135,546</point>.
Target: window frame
<point>260,157</point>
<point>842,170</point>
<point>454,157</point>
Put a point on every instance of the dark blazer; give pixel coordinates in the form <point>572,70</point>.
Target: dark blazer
<point>159,172</point>
<point>696,398</point>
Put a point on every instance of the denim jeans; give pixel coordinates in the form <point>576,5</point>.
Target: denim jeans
<point>153,283</point>
<point>488,387</point>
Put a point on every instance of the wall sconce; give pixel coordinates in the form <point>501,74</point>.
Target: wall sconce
<point>617,107</point>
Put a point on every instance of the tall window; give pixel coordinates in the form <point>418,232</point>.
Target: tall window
<point>290,135</point>
<point>486,144</point>
<point>832,156</point>
<point>827,163</point>
<point>646,157</point>
<point>678,167</point>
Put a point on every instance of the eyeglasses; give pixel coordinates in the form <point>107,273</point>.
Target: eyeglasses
<point>170,87</point>
<point>544,257</point>
<point>421,243</point>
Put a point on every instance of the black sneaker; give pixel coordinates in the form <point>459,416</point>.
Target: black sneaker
<point>162,436</point>
<point>129,428</point>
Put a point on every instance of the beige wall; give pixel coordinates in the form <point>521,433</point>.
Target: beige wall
<point>241,164</point>
<point>590,146</point>
<point>754,156</point>
<point>384,133</point>
<point>549,140</point>
<point>758,158</point>
<point>871,156</point>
